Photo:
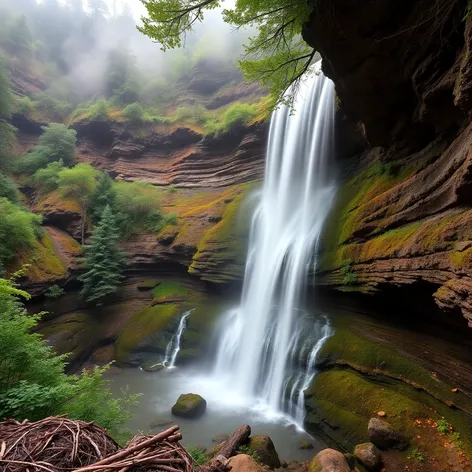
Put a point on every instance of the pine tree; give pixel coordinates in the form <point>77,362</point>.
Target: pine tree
<point>104,261</point>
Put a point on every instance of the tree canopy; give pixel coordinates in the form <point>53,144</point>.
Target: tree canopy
<point>277,56</point>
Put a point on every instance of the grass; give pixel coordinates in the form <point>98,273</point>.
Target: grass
<point>197,454</point>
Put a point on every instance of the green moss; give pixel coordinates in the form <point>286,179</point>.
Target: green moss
<point>220,252</point>
<point>143,326</point>
<point>462,259</point>
<point>44,264</point>
<point>170,290</point>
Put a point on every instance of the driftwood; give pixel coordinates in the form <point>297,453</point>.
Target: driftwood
<point>239,437</point>
<point>228,448</point>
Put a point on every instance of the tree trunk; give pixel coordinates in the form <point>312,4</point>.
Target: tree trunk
<point>239,437</point>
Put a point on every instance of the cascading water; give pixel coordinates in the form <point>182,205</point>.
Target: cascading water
<point>260,337</point>
<point>173,347</point>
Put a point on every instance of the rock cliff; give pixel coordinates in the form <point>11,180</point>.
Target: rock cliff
<point>404,212</point>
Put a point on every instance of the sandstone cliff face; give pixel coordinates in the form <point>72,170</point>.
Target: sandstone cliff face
<point>403,215</point>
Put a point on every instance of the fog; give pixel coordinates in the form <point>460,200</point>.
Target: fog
<point>73,40</point>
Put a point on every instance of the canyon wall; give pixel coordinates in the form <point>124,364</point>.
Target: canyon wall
<point>403,215</point>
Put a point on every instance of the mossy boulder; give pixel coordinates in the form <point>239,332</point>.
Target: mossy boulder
<point>385,436</point>
<point>189,405</point>
<point>263,447</point>
<point>368,455</point>
<point>329,460</point>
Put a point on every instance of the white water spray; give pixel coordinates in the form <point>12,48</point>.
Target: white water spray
<point>173,347</point>
<point>260,337</point>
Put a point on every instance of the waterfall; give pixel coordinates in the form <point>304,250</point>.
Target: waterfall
<point>260,337</point>
<point>173,347</point>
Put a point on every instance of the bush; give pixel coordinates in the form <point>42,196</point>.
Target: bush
<point>33,383</point>
<point>53,292</point>
<point>18,227</point>
<point>171,189</point>
<point>171,219</point>
<point>197,114</point>
<point>55,109</point>
<point>47,179</point>
<point>236,115</point>
<point>55,144</point>
<point>349,277</point>
<point>134,113</point>
<point>8,188</point>
<point>99,110</point>
<point>24,106</point>
<point>127,93</point>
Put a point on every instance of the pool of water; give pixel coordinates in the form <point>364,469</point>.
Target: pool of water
<point>225,412</point>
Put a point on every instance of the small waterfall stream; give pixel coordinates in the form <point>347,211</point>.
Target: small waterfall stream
<point>264,336</point>
<point>173,347</point>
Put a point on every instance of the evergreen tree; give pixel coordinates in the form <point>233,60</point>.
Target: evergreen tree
<point>104,194</point>
<point>104,261</point>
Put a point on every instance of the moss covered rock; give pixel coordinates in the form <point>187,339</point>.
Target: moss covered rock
<point>368,455</point>
<point>189,405</point>
<point>329,460</point>
<point>152,365</point>
<point>384,436</point>
<point>263,447</point>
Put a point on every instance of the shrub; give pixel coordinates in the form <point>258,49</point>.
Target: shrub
<point>55,144</point>
<point>443,426</point>
<point>8,188</point>
<point>33,383</point>
<point>53,292</point>
<point>47,179</point>
<point>56,109</point>
<point>171,189</point>
<point>127,93</point>
<point>134,113</point>
<point>171,219</point>
<point>236,115</point>
<point>18,227</point>
<point>99,110</point>
<point>244,449</point>
<point>197,114</point>
<point>349,277</point>
<point>24,106</point>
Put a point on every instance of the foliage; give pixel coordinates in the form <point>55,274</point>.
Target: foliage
<point>19,40</point>
<point>79,183</point>
<point>134,113</point>
<point>417,455</point>
<point>349,277</point>
<point>139,204</point>
<point>8,188</point>
<point>47,178</point>
<point>52,107</point>
<point>171,189</point>
<point>7,134</point>
<point>103,262</point>
<point>236,115</point>
<point>103,195</point>
<point>244,449</point>
<point>99,110</point>
<point>171,218</point>
<point>443,426</point>
<point>197,454</point>
<point>24,106</point>
<point>18,227</point>
<point>57,143</point>
<point>33,383</point>
<point>277,56</point>
<point>53,292</point>
<point>127,93</point>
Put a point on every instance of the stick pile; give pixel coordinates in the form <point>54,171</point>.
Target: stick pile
<point>57,444</point>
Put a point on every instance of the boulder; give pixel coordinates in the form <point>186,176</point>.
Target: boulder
<point>244,463</point>
<point>329,460</point>
<point>152,365</point>
<point>304,444</point>
<point>384,436</point>
<point>368,455</point>
<point>189,405</point>
<point>264,448</point>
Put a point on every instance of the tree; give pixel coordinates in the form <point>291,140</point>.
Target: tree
<point>20,41</point>
<point>33,382</point>
<point>47,179</point>
<point>134,113</point>
<point>79,183</point>
<point>104,261</point>
<point>7,132</point>
<point>8,188</point>
<point>57,143</point>
<point>277,56</point>
<point>103,195</point>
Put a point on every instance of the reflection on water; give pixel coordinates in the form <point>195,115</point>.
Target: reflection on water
<point>225,413</point>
